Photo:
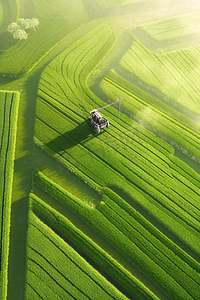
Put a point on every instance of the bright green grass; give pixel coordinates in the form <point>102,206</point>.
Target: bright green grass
<point>91,249</point>
<point>150,111</point>
<point>176,74</point>
<point>9,102</point>
<point>175,27</point>
<point>154,103</point>
<point>56,271</point>
<point>125,151</point>
<point>136,239</point>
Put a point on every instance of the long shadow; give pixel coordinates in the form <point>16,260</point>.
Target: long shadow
<point>78,135</point>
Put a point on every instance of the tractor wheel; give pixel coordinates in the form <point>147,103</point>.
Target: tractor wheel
<point>97,129</point>
<point>107,125</point>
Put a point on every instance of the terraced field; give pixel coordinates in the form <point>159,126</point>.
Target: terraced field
<point>113,215</point>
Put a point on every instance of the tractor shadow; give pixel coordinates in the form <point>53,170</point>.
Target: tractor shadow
<point>78,135</point>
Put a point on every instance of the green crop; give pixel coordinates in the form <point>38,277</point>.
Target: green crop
<point>133,240</point>
<point>9,102</point>
<point>128,151</point>
<point>70,274</point>
<point>152,247</point>
<point>167,72</point>
<point>154,118</point>
<point>127,157</point>
<point>173,28</point>
<point>25,54</point>
<point>103,259</point>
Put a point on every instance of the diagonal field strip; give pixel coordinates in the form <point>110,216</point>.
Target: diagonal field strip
<point>103,222</point>
<point>9,102</point>
<point>40,237</point>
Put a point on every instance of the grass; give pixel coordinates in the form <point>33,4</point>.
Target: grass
<point>90,248</point>
<point>124,152</point>
<point>125,160</point>
<point>130,235</point>
<point>9,102</point>
<point>78,280</point>
<point>173,28</point>
<point>22,57</point>
<point>175,74</point>
<point>141,105</point>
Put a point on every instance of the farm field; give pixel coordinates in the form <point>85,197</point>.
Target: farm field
<point>9,103</point>
<point>108,215</point>
<point>173,28</point>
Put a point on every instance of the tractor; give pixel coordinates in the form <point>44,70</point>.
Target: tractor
<point>99,122</point>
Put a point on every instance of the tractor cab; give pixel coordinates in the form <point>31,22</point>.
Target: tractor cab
<point>97,121</point>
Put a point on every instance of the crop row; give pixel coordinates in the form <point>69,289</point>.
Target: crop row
<point>150,228</point>
<point>71,273</point>
<point>137,151</point>
<point>90,248</point>
<point>115,164</point>
<point>192,175</point>
<point>134,251</point>
<point>167,72</point>
<point>8,126</point>
<point>152,102</point>
<point>182,168</point>
<point>175,27</point>
<point>152,117</point>
<point>152,247</point>
<point>69,86</point>
<point>72,142</point>
<point>165,217</point>
<point>174,227</point>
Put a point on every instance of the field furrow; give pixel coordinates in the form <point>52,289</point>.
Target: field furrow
<point>71,273</point>
<point>133,245</point>
<point>8,127</point>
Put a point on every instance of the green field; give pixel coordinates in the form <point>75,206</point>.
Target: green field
<point>175,74</point>
<point>108,215</point>
<point>173,28</point>
<point>9,103</point>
